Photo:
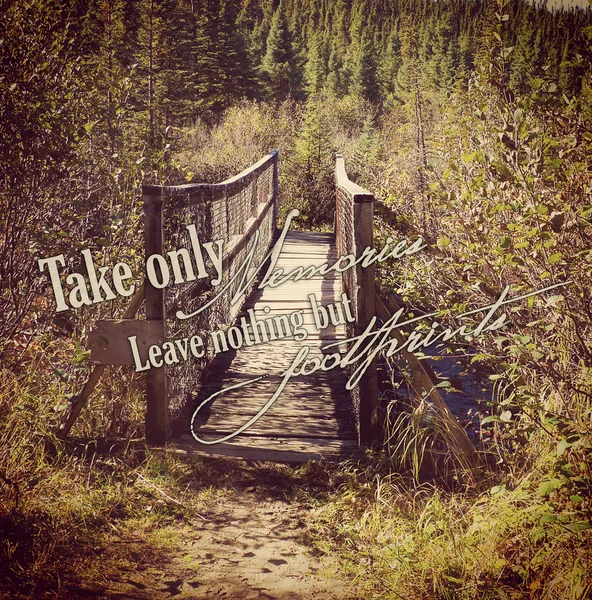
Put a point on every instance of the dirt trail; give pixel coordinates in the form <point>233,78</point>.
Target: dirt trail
<point>250,547</point>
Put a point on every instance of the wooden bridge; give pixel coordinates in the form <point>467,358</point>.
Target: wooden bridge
<point>315,415</point>
<point>245,331</point>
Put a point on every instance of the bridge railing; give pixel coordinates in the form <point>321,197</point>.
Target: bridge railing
<point>231,212</point>
<point>354,214</point>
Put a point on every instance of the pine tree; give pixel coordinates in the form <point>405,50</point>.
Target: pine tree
<point>259,31</point>
<point>208,77</point>
<point>570,71</point>
<point>389,67</point>
<point>442,54</point>
<point>410,80</point>
<point>317,65</point>
<point>523,67</point>
<point>363,81</point>
<point>336,84</point>
<point>237,75</point>
<point>278,67</point>
<point>313,165</point>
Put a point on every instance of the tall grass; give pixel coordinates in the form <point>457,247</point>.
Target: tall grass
<point>400,542</point>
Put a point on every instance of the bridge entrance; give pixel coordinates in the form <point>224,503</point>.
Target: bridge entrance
<point>234,398</point>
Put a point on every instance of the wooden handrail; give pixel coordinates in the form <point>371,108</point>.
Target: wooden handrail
<point>368,307</point>
<point>343,181</point>
<point>173,190</point>
<point>155,200</point>
<point>362,228</point>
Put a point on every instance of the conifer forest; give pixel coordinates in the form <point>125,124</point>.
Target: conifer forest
<point>470,121</point>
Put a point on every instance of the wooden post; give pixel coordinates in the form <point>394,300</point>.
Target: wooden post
<point>363,227</point>
<point>157,417</point>
<point>275,190</point>
<point>364,232</point>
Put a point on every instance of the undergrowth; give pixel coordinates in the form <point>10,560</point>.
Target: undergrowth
<point>397,540</point>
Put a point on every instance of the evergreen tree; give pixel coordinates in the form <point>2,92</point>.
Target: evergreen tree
<point>570,70</point>
<point>410,80</point>
<point>442,55</point>
<point>317,65</point>
<point>389,67</point>
<point>278,67</point>
<point>336,84</point>
<point>237,76</point>
<point>259,32</point>
<point>313,161</point>
<point>363,81</point>
<point>149,61</point>
<point>525,57</point>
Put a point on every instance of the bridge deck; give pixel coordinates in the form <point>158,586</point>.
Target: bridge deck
<point>313,416</point>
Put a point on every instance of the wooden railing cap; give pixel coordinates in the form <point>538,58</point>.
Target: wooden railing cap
<point>358,193</point>
<point>173,190</point>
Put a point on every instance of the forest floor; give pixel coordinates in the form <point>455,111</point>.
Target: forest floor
<point>246,537</point>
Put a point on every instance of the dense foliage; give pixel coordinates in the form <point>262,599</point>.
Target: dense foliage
<point>469,120</point>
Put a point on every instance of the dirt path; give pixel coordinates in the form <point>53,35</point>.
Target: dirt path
<point>250,547</point>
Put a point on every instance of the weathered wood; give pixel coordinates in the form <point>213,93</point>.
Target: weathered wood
<point>97,372</point>
<point>211,189</point>
<point>364,228</point>
<point>313,414</point>
<point>241,204</point>
<point>318,397</point>
<point>274,425</point>
<point>363,231</point>
<point>157,418</point>
<point>463,446</point>
<point>270,449</point>
<point>343,181</point>
<point>109,344</point>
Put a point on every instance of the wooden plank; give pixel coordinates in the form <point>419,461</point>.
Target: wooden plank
<point>309,400</point>
<point>285,406</point>
<point>313,415</point>
<point>302,390</point>
<point>269,449</point>
<point>291,426</point>
<point>109,345</point>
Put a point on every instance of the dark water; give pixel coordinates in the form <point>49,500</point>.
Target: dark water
<point>468,397</point>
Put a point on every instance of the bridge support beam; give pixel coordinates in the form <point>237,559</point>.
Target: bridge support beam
<point>157,410</point>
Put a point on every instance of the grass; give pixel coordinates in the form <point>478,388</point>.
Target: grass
<point>83,516</point>
<point>74,515</point>
<point>521,529</point>
<point>62,505</point>
<point>400,542</point>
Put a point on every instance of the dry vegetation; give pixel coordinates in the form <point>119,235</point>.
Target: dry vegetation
<point>499,184</point>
